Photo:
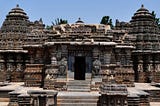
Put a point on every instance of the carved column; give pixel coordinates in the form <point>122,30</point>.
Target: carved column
<point>96,61</point>
<point>107,57</point>
<point>96,53</point>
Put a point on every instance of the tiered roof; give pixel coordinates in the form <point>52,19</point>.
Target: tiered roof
<point>14,29</point>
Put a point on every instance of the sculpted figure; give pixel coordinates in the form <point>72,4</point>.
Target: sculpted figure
<point>51,74</point>
<point>96,66</point>
<point>62,66</point>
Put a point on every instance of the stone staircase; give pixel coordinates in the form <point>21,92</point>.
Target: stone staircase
<point>78,86</point>
<point>78,99</point>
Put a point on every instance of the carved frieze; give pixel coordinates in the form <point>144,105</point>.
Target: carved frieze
<point>51,74</point>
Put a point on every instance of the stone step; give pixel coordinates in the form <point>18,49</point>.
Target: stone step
<point>77,96</point>
<point>78,87</point>
<point>79,90</point>
<point>77,100</point>
<point>78,82</point>
<point>78,104</point>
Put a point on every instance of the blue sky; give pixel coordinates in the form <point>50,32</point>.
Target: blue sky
<point>90,11</point>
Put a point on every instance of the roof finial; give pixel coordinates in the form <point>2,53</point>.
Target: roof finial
<point>17,5</point>
<point>41,21</point>
<point>79,19</point>
<point>142,5</point>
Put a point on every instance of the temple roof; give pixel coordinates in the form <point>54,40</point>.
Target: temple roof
<point>142,13</point>
<point>14,29</point>
<point>17,11</point>
<point>79,21</point>
<point>142,9</point>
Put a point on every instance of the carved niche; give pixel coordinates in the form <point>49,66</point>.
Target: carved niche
<point>140,67</point>
<point>19,67</point>
<point>10,67</point>
<point>2,67</point>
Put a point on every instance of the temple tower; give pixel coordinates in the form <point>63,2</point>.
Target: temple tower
<point>146,32</point>
<point>12,37</point>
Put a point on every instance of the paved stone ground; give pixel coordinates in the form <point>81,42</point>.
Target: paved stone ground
<point>78,93</point>
<point>78,98</point>
<point>4,103</point>
<point>154,103</point>
<point>145,86</point>
<point>132,90</point>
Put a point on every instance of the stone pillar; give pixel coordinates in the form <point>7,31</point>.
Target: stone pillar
<point>96,53</point>
<point>113,95</point>
<point>96,62</point>
<point>128,57</point>
<point>107,57</point>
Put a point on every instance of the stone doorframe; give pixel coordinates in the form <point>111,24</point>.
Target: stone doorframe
<point>71,59</point>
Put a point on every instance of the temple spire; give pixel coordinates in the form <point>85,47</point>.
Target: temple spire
<point>142,5</point>
<point>79,21</point>
<point>17,5</point>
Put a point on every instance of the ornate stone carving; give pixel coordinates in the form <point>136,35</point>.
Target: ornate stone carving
<point>59,55</point>
<point>10,67</point>
<point>64,48</point>
<point>19,67</point>
<point>62,66</point>
<point>2,67</point>
<point>51,74</point>
<point>54,60</point>
<point>150,67</point>
<point>96,52</point>
<point>140,67</point>
<point>157,67</point>
<point>96,67</point>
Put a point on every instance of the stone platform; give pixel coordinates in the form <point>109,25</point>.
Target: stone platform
<point>89,98</point>
<point>78,86</point>
<point>78,99</point>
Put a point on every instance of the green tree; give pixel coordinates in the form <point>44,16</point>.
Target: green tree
<point>59,21</point>
<point>49,27</point>
<point>157,20</point>
<point>106,20</point>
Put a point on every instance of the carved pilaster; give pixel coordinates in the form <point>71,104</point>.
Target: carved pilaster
<point>64,51</point>
<point>62,66</point>
<point>96,53</point>
<point>140,66</point>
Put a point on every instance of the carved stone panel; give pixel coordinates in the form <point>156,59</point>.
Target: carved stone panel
<point>96,67</point>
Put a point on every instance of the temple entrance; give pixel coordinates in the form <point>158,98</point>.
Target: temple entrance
<point>42,101</point>
<point>80,68</point>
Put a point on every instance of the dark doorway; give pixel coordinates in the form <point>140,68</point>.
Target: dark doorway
<point>42,101</point>
<point>79,68</point>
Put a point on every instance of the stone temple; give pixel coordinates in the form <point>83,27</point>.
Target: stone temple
<point>79,64</point>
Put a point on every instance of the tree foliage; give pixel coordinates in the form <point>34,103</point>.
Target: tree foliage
<point>60,21</point>
<point>57,21</point>
<point>157,20</point>
<point>106,20</point>
<point>49,27</point>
